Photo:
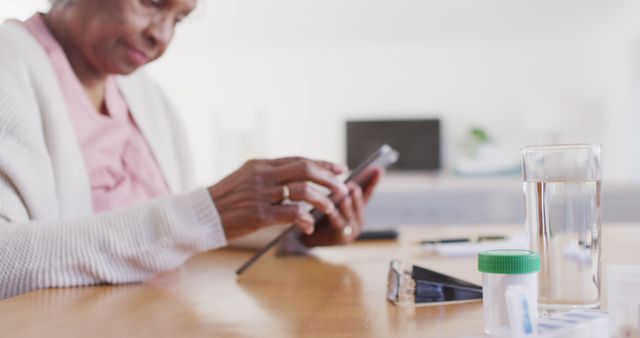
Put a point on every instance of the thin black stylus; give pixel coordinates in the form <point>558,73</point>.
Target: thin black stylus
<point>317,217</point>
<point>264,250</point>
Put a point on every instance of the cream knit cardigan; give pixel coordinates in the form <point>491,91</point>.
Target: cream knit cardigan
<point>49,236</point>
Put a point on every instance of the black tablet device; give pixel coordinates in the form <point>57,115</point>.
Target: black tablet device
<point>382,157</point>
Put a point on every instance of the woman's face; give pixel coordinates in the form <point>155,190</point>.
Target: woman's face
<point>119,36</point>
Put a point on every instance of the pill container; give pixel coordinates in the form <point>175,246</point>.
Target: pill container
<point>501,269</point>
<point>624,300</point>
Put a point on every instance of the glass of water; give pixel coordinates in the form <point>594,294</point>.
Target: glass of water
<point>563,218</point>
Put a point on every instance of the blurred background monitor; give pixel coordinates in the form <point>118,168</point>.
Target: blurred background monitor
<point>417,141</point>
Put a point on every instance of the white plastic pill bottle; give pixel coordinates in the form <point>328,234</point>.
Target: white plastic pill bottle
<point>501,269</point>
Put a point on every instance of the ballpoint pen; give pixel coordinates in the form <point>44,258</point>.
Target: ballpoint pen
<point>464,239</point>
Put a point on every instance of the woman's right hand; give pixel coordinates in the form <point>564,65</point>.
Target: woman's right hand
<point>251,197</point>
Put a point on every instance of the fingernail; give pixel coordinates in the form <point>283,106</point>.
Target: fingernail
<point>331,208</point>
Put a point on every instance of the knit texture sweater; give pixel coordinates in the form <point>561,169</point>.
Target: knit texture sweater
<point>49,235</point>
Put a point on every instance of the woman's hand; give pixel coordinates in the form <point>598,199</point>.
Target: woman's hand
<point>330,231</point>
<point>250,198</point>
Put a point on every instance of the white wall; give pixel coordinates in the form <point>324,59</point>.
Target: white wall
<point>294,71</point>
<point>276,77</point>
<point>21,9</point>
<point>615,60</point>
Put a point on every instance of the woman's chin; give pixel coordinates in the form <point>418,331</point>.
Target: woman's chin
<point>125,69</point>
<point>129,71</point>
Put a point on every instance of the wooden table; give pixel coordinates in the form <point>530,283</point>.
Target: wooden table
<point>337,292</point>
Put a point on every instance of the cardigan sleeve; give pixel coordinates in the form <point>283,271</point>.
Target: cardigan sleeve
<point>39,250</point>
<point>129,245</point>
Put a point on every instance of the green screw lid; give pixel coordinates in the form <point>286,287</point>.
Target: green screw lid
<point>508,261</point>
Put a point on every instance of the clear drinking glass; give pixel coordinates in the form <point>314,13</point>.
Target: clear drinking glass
<point>563,219</point>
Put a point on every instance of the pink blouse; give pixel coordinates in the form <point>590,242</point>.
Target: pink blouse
<point>122,169</point>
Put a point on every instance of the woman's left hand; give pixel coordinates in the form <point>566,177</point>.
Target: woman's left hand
<point>331,230</point>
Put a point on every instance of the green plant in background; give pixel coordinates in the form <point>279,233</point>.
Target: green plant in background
<point>476,137</point>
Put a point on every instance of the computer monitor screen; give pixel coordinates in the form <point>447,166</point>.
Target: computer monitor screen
<point>417,141</point>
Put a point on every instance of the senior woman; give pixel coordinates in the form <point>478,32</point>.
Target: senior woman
<point>94,168</point>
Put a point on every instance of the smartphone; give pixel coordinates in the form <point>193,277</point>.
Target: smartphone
<point>383,157</point>
<point>374,235</point>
